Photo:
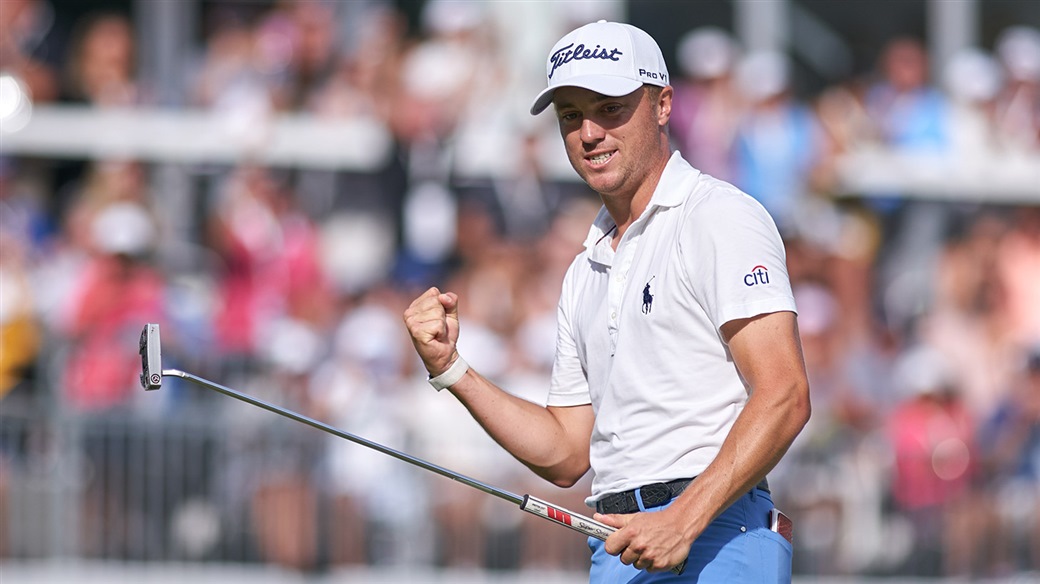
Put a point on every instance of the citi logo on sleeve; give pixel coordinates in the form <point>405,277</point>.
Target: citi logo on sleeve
<point>758,275</point>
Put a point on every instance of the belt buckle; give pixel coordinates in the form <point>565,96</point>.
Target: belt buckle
<point>655,494</point>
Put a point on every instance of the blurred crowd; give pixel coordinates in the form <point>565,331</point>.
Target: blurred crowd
<point>919,318</point>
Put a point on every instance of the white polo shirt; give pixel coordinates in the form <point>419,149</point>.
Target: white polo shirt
<point>639,328</point>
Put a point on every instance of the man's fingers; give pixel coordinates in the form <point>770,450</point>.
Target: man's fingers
<point>450,302</point>
<point>634,546</point>
<point>614,520</point>
<point>618,541</point>
<point>425,318</point>
<point>433,323</point>
<point>629,558</point>
<point>423,303</point>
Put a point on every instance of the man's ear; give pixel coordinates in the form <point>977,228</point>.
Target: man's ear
<point>664,106</point>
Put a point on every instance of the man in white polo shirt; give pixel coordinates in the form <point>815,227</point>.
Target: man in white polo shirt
<point>678,376</point>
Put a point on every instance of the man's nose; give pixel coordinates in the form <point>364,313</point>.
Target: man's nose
<point>591,131</point>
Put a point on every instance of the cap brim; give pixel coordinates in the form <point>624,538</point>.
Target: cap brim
<point>602,84</point>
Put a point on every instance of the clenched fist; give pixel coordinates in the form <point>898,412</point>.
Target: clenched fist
<point>433,323</point>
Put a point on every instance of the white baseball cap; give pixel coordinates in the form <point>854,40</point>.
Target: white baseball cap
<point>610,58</point>
<point>123,228</point>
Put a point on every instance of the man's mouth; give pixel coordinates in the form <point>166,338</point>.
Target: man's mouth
<point>600,158</point>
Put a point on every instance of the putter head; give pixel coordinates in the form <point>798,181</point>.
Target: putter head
<point>151,360</point>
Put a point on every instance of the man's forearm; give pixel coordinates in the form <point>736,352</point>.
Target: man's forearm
<point>760,436</point>
<point>768,355</point>
<point>552,442</point>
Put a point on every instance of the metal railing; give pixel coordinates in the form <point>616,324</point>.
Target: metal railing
<point>197,478</point>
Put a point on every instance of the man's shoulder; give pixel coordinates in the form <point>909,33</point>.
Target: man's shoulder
<point>716,208</point>
<point>697,186</point>
<point>580,264</point>
<point>711,196</point>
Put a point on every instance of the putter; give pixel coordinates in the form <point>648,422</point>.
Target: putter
<point>152,375</point>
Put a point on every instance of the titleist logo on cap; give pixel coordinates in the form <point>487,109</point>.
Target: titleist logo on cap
<point>608,58</point>
<point>565,55</point>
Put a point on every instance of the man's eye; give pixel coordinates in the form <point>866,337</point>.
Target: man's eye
<point>569,117</point>
<point>612,108</point>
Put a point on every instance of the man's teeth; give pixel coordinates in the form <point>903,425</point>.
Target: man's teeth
<point>600,158</point>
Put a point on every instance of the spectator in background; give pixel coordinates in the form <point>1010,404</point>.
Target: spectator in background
<point>932,436</point>
<point>114,289</point>
<point>99,71</point>
<point>100,67</point>
<point>909,113</point>
<point>106,182</point>
<point>841,109</point>
<point>911,119</point>
<point>1011,438</point>
<point>528,199</point>
<point>707,107</point>
<point>778,141</point>
<point>292,58</point>
<point>363,386</point>
<point>30,46</point>
<point>431,95</point>
<point>295,51</point>
<point>118,289</point>
<point>359,71</point>
<point>284,501</point>
<point>20,331</point>
<point>226,71</point>
<point>967,319</point>
<point>110,284</point>
<point>489,273</point>
<point>315,52</point>
<point>271,261</point>
<point>428,104</point>
<point>533,344</point>
<point>373,59</point>
<point>1018,107</point>
<point>1017,260</point>
<point>972,79</point>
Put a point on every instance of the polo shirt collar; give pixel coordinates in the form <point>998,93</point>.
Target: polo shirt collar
<point>598,241</point>
<point>669,193</point>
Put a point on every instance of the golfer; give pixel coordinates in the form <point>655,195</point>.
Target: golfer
<point>678,377</point>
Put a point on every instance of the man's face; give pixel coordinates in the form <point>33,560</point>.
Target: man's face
<point>614,143</point>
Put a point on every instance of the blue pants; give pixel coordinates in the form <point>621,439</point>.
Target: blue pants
<point>737,547</point>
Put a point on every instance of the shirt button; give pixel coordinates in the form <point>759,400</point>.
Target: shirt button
<point>613,316</point>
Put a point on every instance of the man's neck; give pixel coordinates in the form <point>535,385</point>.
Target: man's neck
<point>626,210</point>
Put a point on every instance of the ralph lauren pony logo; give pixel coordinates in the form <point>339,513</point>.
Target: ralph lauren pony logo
<point>648,298</point>
<point>566,55</point>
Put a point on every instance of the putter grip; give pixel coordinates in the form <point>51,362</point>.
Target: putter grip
<point>575,521</point>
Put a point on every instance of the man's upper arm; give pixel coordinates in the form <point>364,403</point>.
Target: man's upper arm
<point>766,350</point>
<point>576,423</point>
<point>577,419</point>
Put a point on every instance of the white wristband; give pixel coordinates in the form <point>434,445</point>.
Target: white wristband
<point>451,376</point>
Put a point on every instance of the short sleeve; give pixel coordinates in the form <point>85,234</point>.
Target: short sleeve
<point>569,385</point>
<point>734,257</point>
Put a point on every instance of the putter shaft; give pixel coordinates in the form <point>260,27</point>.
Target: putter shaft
<point>151,379</point>
<point>500,493</point>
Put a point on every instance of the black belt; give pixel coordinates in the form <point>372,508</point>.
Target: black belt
<point>653,495</point>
